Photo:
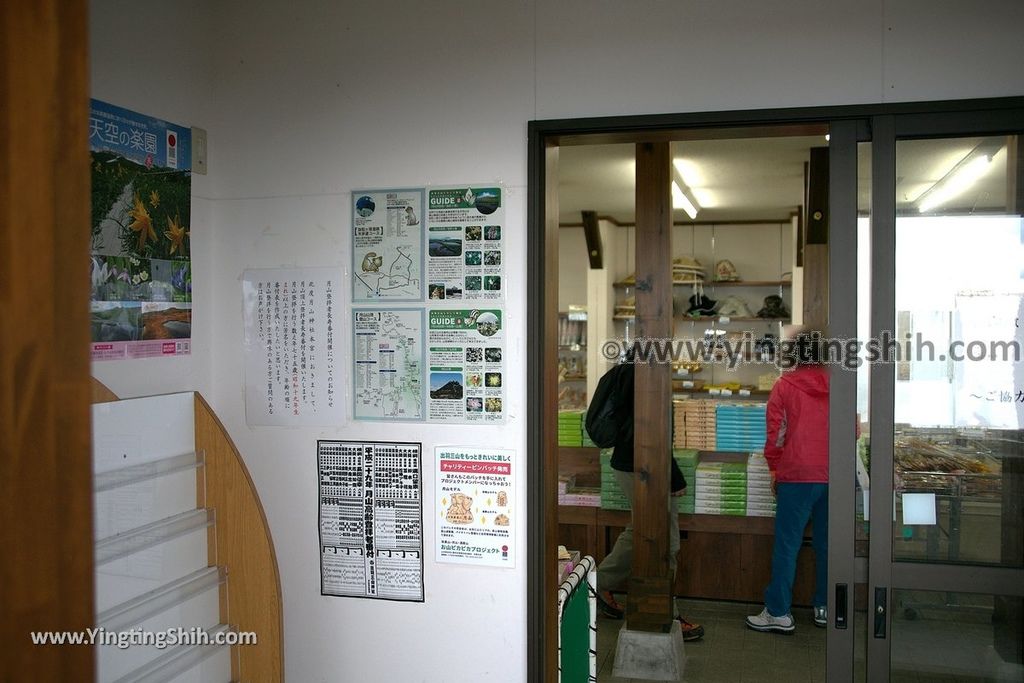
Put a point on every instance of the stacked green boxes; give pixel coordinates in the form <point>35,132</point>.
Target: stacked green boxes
<point>612,497</point>
<point>721,488</point>
<point>570,427</point>
<point>687,459</point>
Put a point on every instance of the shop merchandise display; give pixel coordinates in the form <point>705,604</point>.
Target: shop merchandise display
<point>701,305</point>
<point>612,497</point>
<point>946,463</point>
<point>734,307</point>
<point>571,431</point>
<point>740,427</point>
<point>721,488</point>
<point>760,498</point>
<point>725,271</point>
<point>695,423</point>
<point>774,307</point>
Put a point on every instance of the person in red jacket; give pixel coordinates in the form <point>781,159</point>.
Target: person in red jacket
<point>797,455</point>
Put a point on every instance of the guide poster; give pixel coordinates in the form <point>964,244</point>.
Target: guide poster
<point>387,350</point>
<point>141,267</point>
<point>466,365</point>
<point>291,345</point>
<point>371,520</point>
<point>475,491</point>
<point>387,245</point>
<point>466,244</point>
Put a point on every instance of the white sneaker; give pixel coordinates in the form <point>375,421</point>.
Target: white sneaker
<point>821,616</point>
<point>766,622</point>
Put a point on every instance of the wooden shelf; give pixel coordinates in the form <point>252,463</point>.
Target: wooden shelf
<point>713,283</point>
<point>716,318</point>
<point>749,283</point>
<point>575,378</point>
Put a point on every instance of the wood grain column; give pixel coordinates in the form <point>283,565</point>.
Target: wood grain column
<point>649,605</point>
<point>548,510</point>
<point>46,547</point>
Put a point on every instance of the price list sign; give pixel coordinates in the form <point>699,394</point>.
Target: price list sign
<point>371,519</point>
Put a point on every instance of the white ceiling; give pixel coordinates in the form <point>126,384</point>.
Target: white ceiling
<point>762,178</point>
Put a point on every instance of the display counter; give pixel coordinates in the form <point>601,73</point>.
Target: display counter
<point>723,557</point>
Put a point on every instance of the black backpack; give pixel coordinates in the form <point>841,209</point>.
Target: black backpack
<point>610,414</point>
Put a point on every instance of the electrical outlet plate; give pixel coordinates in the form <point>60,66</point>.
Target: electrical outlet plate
<point>199,151</point>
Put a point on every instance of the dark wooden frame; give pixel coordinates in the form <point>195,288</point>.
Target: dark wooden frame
<point>544,137</point>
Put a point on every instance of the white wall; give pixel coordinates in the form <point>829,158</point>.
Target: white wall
<point>155,58</point>
<point>573,264</point>
<point>306,101</point>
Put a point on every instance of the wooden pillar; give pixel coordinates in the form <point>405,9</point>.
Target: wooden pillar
<point>549,475</point>
<point>46,545</point>
<point>649,605</point>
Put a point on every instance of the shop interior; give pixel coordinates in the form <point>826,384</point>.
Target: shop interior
<point>748,261</point>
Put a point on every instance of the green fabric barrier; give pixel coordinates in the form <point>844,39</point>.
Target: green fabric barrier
<point>576,638</point>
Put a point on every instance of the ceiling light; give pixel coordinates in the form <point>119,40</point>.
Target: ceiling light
<point>959,178</point>
<point>689,173</point>
<point>682,197</point>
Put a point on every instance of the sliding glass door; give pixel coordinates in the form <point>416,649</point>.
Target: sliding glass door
<point>927,423</point>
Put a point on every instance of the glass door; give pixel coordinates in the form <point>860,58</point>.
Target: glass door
<point>942,408</point>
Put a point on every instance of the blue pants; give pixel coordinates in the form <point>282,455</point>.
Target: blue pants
<point>795,504</point>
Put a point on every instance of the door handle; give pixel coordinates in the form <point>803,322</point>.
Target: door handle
<point>880,608</point>
<point>840,609</point>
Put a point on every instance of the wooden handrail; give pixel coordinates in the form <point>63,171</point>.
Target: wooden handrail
<point>239,541</point>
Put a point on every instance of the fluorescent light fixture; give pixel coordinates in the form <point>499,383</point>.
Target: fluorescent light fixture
<point>682,197</point>
<point>959,178</point>
<point>689,173</point>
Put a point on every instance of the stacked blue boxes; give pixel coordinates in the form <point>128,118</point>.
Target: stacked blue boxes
<point>740,427</point>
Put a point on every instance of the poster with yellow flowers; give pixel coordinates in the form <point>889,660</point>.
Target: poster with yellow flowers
<point>141,227</point>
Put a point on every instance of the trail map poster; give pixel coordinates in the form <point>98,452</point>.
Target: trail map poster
<point>371,519</point>
<point>141,268</point>
<point>387,245</point>
<point>387,356</point>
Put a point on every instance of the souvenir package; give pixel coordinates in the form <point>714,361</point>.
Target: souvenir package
<point>725,271</point>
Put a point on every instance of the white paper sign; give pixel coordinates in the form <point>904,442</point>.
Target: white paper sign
<point>474,492</point>
<point>371,519</point>
<point>292,348</point>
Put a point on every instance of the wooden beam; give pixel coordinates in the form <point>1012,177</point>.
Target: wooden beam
<point>816,286</point>
<point>1014,176</point>
<point>649,604</point>
<point>549,416</point>
<point>46,534</point>
<point>592,233</point>
<point>817,197</point>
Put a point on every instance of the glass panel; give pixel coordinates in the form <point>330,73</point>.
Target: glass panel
<point>955,637</point>
<point>862,528</point>
<point>863,332</point>
<point>957,351</point>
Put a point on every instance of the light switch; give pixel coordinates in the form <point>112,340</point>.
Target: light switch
<point>199,151</point>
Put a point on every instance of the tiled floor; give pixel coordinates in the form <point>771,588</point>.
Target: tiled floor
<point>937,647</point>
<point>729,650</point>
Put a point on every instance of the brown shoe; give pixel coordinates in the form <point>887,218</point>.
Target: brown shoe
<point>609,607</point>
<point>690,631</point>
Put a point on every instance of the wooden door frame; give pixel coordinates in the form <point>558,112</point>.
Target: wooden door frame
<point>46,574</point>
<point>544,138</point>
